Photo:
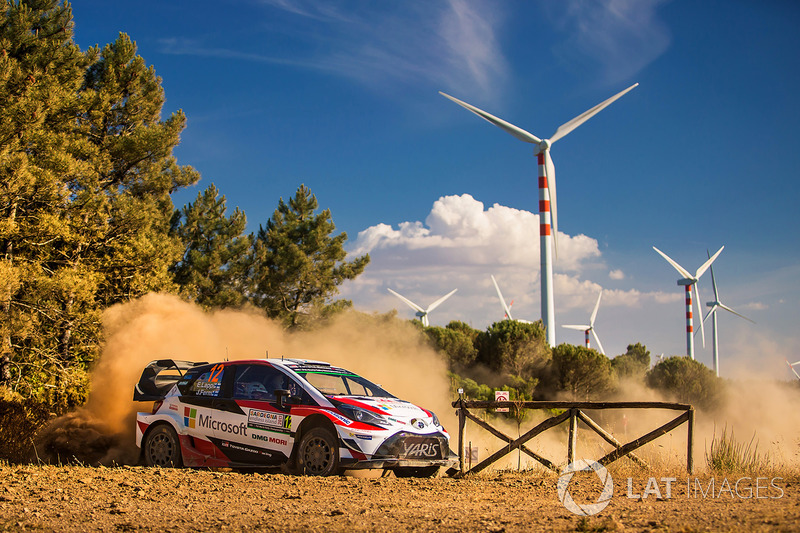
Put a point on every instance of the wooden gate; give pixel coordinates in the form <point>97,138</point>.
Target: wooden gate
<point>572,412</point>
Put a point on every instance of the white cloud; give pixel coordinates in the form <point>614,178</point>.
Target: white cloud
<point>444,44</point>
<point>459,245</point>
<point>616,275</point>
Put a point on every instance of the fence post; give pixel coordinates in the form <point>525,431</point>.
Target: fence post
<point>690,442</point>
<point>462,421</point>
<point>573,435</point>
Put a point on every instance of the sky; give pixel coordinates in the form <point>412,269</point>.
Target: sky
<point>342,96</point>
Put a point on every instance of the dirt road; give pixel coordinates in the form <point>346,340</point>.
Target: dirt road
<point>53,498</point>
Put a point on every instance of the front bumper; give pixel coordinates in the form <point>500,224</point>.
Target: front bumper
<point>391,462</point>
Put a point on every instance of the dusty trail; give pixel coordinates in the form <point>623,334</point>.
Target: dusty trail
<point>53,498</point>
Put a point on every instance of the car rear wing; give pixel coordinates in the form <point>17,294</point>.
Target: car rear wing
<point>159,377</point>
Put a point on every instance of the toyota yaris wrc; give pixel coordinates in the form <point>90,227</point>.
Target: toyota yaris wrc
<point>309,416</point>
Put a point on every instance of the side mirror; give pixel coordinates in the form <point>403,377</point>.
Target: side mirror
<point>281,395</point>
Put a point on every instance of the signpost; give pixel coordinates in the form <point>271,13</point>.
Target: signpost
<point>501,396</point>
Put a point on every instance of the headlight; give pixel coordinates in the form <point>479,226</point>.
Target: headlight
<point>362,415</point>
<point>435,419</point>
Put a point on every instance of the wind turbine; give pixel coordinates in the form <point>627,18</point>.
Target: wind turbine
<point>791,367</point>
<point>506,308</point>
<point>590,327</point>
<point>422,314</point>
<point>715,306</point>
<point>547,194</point>
<point>688,280</point>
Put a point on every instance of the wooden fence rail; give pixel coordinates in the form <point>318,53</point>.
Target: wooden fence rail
<point>572,412</point>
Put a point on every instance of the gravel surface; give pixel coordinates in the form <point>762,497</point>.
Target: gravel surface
<point>71,498</point>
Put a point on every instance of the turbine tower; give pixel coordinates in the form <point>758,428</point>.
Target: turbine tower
<point>715,306</point>
<point>422,314</point>
<point>590,328</point>
<point>688,281</point>
<point>547,195</point>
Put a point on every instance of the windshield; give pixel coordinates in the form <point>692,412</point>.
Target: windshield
<point>343,383</point>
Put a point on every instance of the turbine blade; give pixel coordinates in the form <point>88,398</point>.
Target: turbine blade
<point>700,313</point>
<point>713,280</point>
<point>596,307</point>
<point>682,271</point>
<point>550,171</point>
<point>567,127</point>
<point>728,309</point>
<point>707,264</point>
<point>791,367</point>
<point>599,344</point>
<point>408,302</point>
<point>575,326</point>
<point>506,308</point>
<point>438,302</point>
<point>519,133</point>
<point>710,312</point>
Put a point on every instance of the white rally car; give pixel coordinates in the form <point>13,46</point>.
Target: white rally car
<point>312,417</point>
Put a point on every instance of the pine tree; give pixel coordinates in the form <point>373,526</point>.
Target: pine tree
<point>214,264</point>
<point>134,173</point>
<point>41,71</point>
<point>297,263</point>
<point>86,172</point>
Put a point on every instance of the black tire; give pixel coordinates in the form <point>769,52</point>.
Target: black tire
<point>416,471</point>
<point>318,453</point>
<point>162,448</point>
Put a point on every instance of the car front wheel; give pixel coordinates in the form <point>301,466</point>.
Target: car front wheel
<point>318,453</point>
<point>162,448</point>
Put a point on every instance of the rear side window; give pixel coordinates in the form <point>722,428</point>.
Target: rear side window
<point>208,382</point>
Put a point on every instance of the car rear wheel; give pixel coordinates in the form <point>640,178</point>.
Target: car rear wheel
<point>162,448</point>
<point>417,471</point>
<point>318,453</point>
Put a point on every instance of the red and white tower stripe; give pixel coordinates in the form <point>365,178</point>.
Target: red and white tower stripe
<point>545,252</point>
<point>689,325</point>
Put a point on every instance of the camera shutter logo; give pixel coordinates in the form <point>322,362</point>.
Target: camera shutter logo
<point>603,500</point>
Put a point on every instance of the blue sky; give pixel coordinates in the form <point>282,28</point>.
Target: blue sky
<point>343,97</point>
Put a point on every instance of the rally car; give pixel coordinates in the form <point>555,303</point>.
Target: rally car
<point>307,416</point>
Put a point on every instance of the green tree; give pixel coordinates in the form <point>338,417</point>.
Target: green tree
<point>581,372</point>
<point>686,380</point>
<point>297,263</point>
<point>455,343</point>
<point>44,292</point>
<point>134,173</point>
<point>86,172</point>
<point>212,271</point>
<point>513,347</point>
<point>634,363</point>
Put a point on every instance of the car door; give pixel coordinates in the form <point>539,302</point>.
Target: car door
<point>199,403</point>
<point>259,430</point>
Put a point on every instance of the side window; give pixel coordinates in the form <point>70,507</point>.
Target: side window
<point>207,383</point>
<point>258,382</point>
<point>297,391</point>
